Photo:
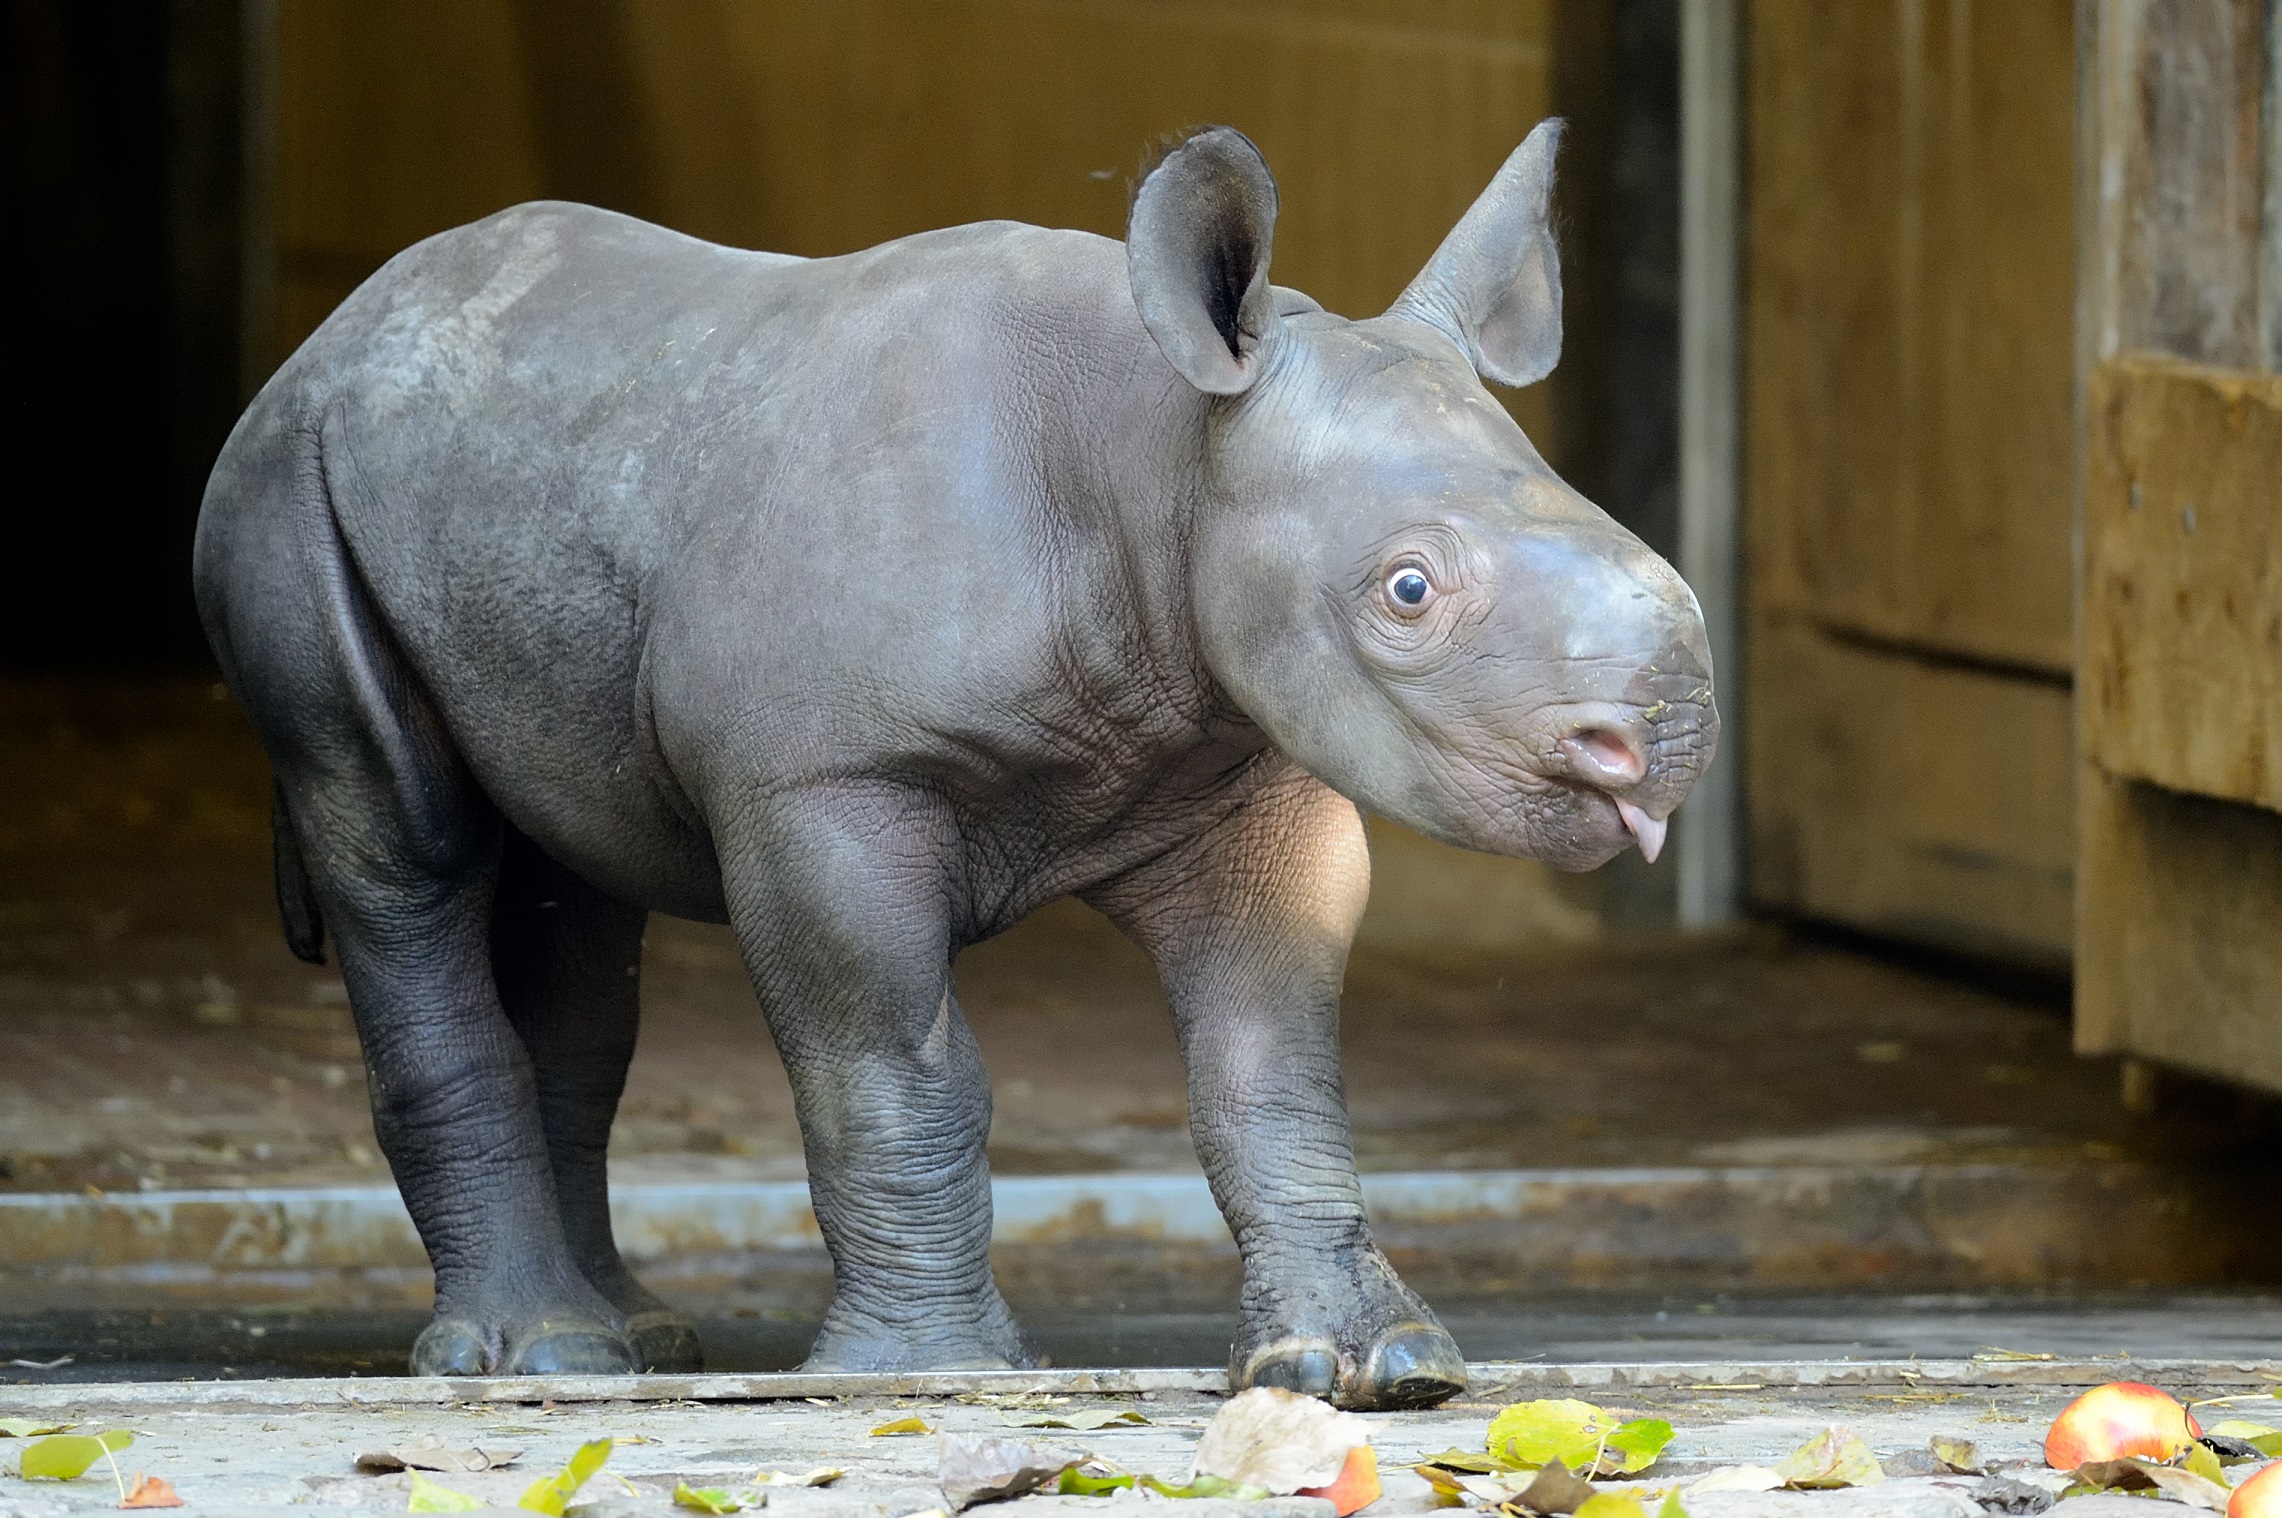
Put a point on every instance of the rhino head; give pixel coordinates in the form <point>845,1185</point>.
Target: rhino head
<point>1386,576</point>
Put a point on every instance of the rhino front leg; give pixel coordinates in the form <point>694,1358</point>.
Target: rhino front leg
<point>1249,927</point>
<point>839,902</point>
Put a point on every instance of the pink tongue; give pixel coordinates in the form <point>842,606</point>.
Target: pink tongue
<point>1649,831</point>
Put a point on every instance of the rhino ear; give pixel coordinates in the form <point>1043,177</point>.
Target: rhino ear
<point>1494,286</point>
<point>1197,253</point>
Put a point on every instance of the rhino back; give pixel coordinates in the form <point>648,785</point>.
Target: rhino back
<point>651,517</point>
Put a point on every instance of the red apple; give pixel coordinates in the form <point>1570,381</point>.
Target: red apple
<point>2121,1420</point>
<point>2260,1496</point>
<point>1356,1486</point>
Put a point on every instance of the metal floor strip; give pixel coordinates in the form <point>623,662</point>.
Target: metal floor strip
<point>1489,1380</point>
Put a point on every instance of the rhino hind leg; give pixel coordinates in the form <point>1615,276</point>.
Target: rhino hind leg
<point>398,852</point>
<point>567,961</point>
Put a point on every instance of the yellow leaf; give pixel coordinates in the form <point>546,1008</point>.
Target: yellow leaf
<point>552,1494</point>
<point>902,1426</point>
<point>1611,1505</point>
<point>435,1497</point>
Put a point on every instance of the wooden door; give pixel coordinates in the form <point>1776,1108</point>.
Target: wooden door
<point>2179,949</point>
<point>1908,458</point>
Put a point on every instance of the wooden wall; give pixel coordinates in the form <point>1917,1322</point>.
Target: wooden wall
<point>1908,477</point>
<point>830,125</point>
<point>821,126</point>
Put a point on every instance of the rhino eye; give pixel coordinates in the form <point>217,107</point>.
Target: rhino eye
<point>1409,586</point>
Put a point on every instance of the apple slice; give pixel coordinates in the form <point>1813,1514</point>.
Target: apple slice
<point>1357,1485</point>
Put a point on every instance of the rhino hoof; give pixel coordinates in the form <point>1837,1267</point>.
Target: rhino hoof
<point>550,1347</point>
<point>452,1347</point>
<point>1294,1366</point>
<point>665,1342</point>
<point>572,1349</point>
<point>1416,1365</point>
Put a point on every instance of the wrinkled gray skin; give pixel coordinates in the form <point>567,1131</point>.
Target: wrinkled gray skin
<point>575,569</point>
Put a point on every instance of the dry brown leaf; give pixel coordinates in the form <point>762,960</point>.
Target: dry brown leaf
<point>1833,1458</point>
<point>1278,1441</point>
<point>977,1468</point>
<point>427,1453</point>
<point>2186,1486</point>
<point>1960,1456</point>
<point>1555,1489</point>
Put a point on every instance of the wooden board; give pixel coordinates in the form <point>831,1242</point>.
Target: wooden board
<point>2183,578</point>
<point>2178,953</point>
<point>1910,421</point>
<point>1911,799</point>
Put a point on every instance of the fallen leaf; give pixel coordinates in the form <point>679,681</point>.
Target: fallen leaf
<point>1076,1483</point>
<point>1833,1458</point>
<point>551,1494</point>
<point>1738,1478</point>
<point>31,1428</point>
<point>1087,1422</point>
<point>1555,1489</point>
<point>151,1491</point>
<point>1673,1507</point>
<point>427,1453</point>
<point>1612,1505</point>
<point>2014,1499</point>
<point>902,1426</point>
<point>708,1499</point>
<point>1528,1435</point>
<point>977,1468</point>
<point>2202,1462</point>
<point>1532,1434</point>
<point>1447,1491</point>
<point>1206,1486</point>
<point>1278,1441</point>
<point>2110,1476</point>
<point>434,1497</point>
<point>1637,1444</point>
<point>2259,1436</point>
<point>1472,1462</point>
<point>2187,1486</point>
<point>1959,1456</point>
<point>822,1475</point>
<point>66,1457</point>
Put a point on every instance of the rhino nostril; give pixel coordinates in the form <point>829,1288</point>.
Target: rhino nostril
<point>1606,756</point>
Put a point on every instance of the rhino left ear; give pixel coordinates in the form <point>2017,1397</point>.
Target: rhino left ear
<point>1196,251</point>
<point>1494,286</point>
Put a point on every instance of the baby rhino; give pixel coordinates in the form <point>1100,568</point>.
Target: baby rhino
<point>575,570</point>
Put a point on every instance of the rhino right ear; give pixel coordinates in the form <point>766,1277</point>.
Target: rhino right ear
<point>1196,251</point>
<point>1494,286</point>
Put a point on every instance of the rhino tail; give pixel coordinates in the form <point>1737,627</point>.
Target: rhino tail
<point>296,897</point>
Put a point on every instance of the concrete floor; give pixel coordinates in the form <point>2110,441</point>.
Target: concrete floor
<point>285,1447</point>
<point>162,1039</point>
